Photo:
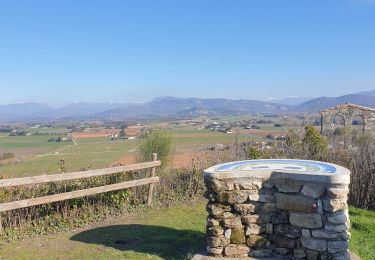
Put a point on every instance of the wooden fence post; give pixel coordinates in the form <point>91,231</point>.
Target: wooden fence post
<point>151,187</point>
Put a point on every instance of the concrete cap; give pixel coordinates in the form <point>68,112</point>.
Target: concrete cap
<point>301,170</point>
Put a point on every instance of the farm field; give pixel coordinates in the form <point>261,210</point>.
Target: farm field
<point>94,155</point>
<point>19,143</point>
<point>34,155</point>
<point>177,232</point>
<point>100,153</point>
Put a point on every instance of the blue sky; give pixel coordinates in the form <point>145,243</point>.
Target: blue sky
<point>131,51</point>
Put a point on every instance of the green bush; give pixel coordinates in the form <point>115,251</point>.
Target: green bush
<point>156,141</point>
<point>314,144</point>
<point>254,153</point>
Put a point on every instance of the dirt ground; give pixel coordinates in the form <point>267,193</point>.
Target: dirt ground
<point>130,131</point>
<point>197,135</point>
<point>261,133</point>
<point>179,161</point>
<point>21,152</point>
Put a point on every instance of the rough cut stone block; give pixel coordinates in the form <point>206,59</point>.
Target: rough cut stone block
<point>237,236</point>
<point>295,202</point>
<point>212,222</point>
<point>261,253</point>
<point>336,228</point>
<point>215,250</point>
<point>255,219</point>
<point>281,251</point>
<point>332,205</point>
<point>236,250</point>
<point>269,228</point>
<point>256,241</point>
<point>283,241</point>
<point>215,210</point>
<point>263,195</point>
<point>215,231</point>
<point>217,241</point>
<point>233,197</point>
<point>286,186</point>
<point>345,235</point>
<point>299,253</point>
<point>280,217</point>
<point>321,233</point>
<point>217,185</point>
<point>320,206</point>
<point>287,230</point>
<point>267,185</point>
<point>247,184</point>
<point>323,256</point>
<point>254,229</point>
<point>315,190</point>
<point>306,233</point>
<point>338,193</point>
<point>337,246</point>
<point>339,217</point>
<point>227,233</point>
<point>245,209</point>
<point>228,215</point>
<point>314,244</point>
<point>269,207</point>
<point>305,220</point>
<point>312,255</point>
<point>232,222</point>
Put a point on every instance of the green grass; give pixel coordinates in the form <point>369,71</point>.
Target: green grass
<point>41,157</point>
<point>49,130</point>
<point>363,233</point>
<point>94,152</point>
<point>29,142</point>
<point>169,233</point>
<point>97,154</point>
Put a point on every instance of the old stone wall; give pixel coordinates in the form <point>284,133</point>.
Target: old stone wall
<point>277,217</point>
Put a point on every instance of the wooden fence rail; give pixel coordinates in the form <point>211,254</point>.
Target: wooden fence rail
<point>80,193</point>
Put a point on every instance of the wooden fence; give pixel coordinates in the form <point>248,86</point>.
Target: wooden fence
<point>80,193</point>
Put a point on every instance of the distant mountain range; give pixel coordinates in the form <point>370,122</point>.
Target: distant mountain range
<point>189,107</point>
<point>177,107</point>
<point>366,99</point>
<point>291,101</point>
<point>158,107</point>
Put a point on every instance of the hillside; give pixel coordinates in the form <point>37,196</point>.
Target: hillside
<point>178,107</point>
<point>158,107</point>
<point>321,103</point>
<point>186,107</point>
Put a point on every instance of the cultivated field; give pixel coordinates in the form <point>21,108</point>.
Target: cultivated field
<point>34,155</point>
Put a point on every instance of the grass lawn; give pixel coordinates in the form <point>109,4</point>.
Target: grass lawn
<point>170,233</point>
<point>363,232</point>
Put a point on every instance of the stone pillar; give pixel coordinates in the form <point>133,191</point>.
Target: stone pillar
<point>295,209</point>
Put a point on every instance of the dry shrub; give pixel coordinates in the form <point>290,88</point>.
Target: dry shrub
<point>357,154</point>
<point>362,186</point>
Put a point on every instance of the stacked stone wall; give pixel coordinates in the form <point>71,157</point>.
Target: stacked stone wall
<point>277,217</point>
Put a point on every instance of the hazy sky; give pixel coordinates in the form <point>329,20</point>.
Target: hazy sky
<point>131,51</point>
